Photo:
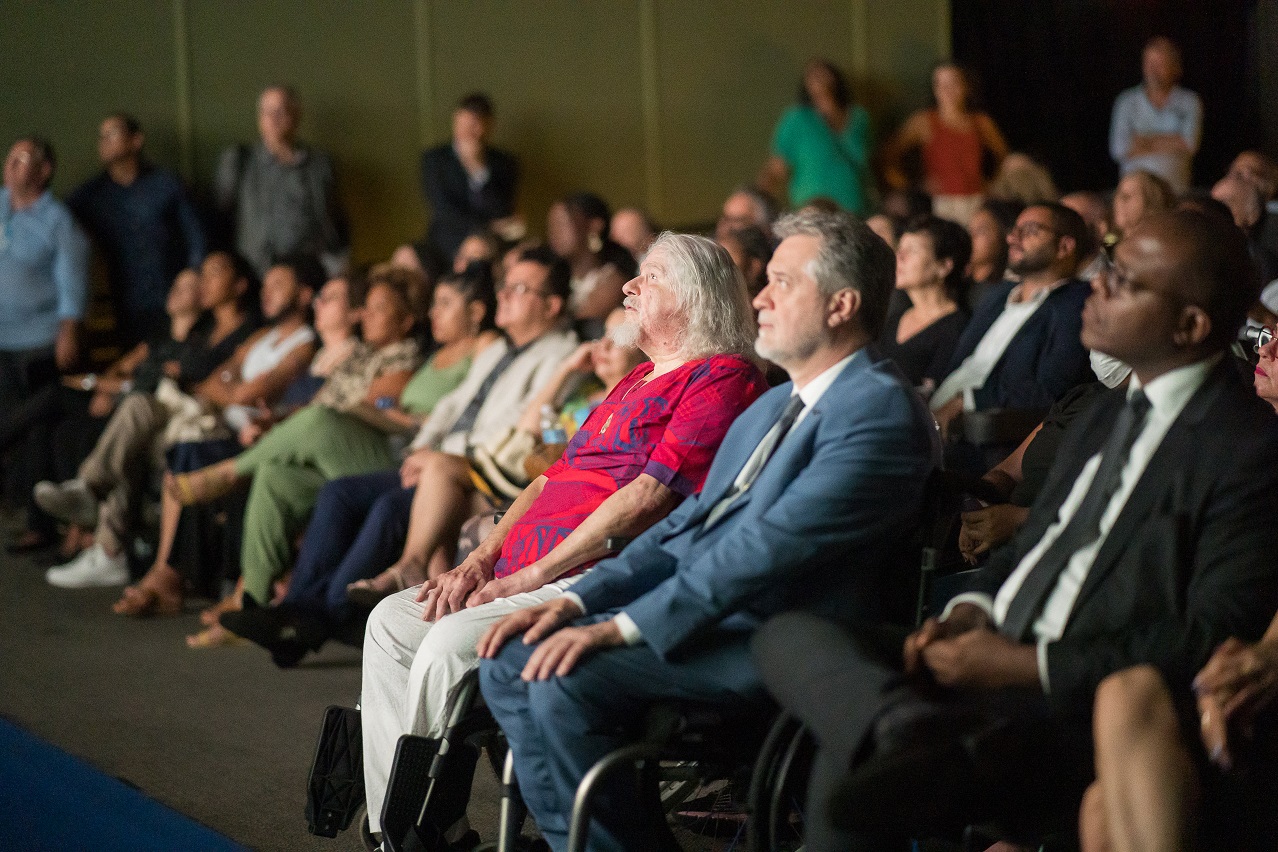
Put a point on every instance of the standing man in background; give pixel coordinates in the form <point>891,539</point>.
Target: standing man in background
<point>144,224</point>
<point>43,259</point>
<point>281,195</point>
<point>1157,125</point>
<point>468,184</point>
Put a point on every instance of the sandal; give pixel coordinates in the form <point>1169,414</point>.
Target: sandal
<point>141,601</point>
<point>231,602</point>
<point>365,593</point>
<point>216,636</point>
<point>203,485</point>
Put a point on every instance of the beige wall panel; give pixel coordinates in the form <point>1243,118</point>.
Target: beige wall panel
<point>65,65</point>
<point>726,71</point>
<point>353,65</point>
<point>565,79</point>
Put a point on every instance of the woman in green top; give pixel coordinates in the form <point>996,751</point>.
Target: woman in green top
<point>821,145</point>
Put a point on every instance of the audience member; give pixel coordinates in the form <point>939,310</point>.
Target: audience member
<point>746,206</point>
<point>1021,349</point>
<point>1156,126</point>
<point>43,263</point>
<point>787,497</point>
<point>105,491</point>
<point>1147,546</point>
<point>327,439</point>
<point>61,418</point>
<point>1261,171</point>
<point>1023,180</point>
<point>279,195</point>
<point>955,139</point>
<point>144,225</point>
<point>576,227</point>
<point>632,230</point>
<point>750,249</point>
<point>468,184</point>
<point>1247,208</point>
<point>989,228</point>
<point>920,335</point>
<point>1139,194</point>
<point>882,224</point>
<point>1095,212</point>
<point>821,145</point>
<point>479,247</point>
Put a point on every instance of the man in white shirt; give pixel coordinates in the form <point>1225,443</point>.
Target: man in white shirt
<point>1148,545</point>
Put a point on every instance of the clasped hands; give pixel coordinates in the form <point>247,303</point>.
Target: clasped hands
<point>566,646</point>
<point>964,650</point>
<point>471,584</point>
<point>1237,681</point>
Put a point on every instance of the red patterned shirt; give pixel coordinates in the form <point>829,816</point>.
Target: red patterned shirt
<point>669,428</point>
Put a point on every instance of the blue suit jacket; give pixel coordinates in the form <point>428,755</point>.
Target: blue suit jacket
<point>1044,359</point>
<point>818,529</point>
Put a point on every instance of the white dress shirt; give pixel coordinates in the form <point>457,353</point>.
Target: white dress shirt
<point>1168,394</point>
<point>976,368</point>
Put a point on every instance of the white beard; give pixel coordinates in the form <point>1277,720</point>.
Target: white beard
<point>627,334</point>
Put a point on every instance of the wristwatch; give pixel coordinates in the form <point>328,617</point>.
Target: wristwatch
<point>89,382</point>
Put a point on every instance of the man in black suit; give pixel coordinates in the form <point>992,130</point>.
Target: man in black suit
<point>468,184</point>
<point>1153,555</point>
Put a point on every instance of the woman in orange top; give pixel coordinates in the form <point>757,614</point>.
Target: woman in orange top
<point>953,141</point>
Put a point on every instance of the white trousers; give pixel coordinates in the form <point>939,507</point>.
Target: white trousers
<point>411,665</point>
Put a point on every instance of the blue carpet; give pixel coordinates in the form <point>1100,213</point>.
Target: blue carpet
<point>50,800</point>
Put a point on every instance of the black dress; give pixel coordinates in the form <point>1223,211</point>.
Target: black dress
<point>926,354</point>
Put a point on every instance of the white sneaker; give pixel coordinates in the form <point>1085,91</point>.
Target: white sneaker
<point>92,568</point>
<point>70,501</point>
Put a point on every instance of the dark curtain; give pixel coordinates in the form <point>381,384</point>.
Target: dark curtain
<point>1049,71</point>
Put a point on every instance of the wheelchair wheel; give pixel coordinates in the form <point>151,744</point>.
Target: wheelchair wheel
<point>778,788</point>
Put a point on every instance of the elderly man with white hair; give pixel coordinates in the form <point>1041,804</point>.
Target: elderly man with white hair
<point>644,449</point>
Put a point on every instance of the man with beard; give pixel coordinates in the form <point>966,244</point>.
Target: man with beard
<point>1021,349</point>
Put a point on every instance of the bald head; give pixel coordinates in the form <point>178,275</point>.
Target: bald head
<point>1210,262</point>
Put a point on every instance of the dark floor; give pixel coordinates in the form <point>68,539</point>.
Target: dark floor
<point>221,735</point>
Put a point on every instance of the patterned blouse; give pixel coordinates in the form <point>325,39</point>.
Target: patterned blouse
<point>349,382</point>
<point>668,428</point>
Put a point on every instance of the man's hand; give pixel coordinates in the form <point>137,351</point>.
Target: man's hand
<point>524,580</point>
<point>560,654</point>
<point>534,622</point>
<point>66,349</point>
<point>1237,681</point>
<point>963,617</point>
<point>946,413</point>
<point>981,658</point>
<point>985,529</point>
<point>447,593</point>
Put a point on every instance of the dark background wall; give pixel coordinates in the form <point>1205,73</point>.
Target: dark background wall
<point>1050,70</point>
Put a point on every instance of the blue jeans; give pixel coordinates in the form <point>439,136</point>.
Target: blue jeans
<point>358,529</point>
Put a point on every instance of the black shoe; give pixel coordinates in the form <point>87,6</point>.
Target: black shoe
<point>926,789</point>
<point>288,636</point>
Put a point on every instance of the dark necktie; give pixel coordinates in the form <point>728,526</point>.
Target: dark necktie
<point>1084,527</point>
<point>762,453</point>
<point>466,421</point>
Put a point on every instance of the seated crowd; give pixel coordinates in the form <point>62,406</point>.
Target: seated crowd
<point>628,465</point>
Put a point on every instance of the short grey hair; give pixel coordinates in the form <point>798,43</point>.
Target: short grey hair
<point>711,293</point>
<point>850,256</point>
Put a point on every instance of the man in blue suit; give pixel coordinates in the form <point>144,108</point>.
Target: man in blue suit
<point>805,505</point>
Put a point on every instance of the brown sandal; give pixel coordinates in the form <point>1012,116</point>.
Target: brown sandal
<point>203,485</point>
<point>142,601</point>
<point>215,636</point>
<point>366,595</point>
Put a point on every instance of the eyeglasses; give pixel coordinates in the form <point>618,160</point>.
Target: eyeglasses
<point>1264,334</point>
<point>519,290</point>
<point>1030,229</point>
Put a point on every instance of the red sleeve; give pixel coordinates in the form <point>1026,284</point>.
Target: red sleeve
<point>715,394</point>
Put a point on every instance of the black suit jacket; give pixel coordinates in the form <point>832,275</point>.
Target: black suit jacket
<point>1191,559</point>
<point>456,211</point>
